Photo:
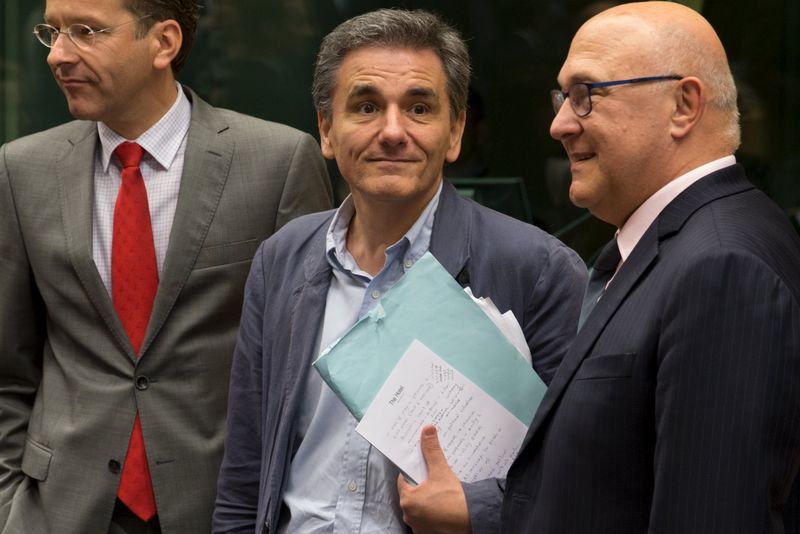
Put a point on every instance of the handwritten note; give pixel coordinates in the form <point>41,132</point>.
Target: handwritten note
<point>480,437</point>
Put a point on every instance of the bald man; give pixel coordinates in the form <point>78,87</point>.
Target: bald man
<point>677,408</point>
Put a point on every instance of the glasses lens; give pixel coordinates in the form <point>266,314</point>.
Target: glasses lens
<point>579,99</point>
<point>46,34</point>
<point>557,100</point>
<point>82,35</point>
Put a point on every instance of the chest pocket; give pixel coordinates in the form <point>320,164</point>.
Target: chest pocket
<point>606,366</point>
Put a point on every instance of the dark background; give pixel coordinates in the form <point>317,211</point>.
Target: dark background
<point>257,56</point>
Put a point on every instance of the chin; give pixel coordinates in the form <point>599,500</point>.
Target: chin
<point>81,112</point>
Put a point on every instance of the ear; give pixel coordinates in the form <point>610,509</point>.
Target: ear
<point>690,104</point>
<point>456,132</point>
<point>324,126</point>
<point>167,39</point>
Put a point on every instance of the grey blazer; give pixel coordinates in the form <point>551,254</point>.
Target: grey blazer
<point>70,384</point>
<point>520,267</point>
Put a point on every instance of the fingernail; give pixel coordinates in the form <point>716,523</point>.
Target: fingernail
<point>429,431</point>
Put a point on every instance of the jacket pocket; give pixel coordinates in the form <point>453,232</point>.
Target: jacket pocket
<point>606,366</point>
<point>226,253</point>
<point>36,460</point>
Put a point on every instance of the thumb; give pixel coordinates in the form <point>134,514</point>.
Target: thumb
<point>432,451</point>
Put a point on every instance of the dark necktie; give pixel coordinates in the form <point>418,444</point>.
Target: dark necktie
<point>602,271</point>
<point>134,281</point>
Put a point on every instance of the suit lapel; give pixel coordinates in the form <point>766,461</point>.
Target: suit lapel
<point>75,175</point>
<point>630,272</point>
<point>728,181</point>
<point>450,238</point>
<point>207,162</point>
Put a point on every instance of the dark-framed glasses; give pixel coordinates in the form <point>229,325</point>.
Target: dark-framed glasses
<point>81,35</point>
<point>580,94</point>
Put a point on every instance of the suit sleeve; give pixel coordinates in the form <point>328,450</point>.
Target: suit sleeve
<point>727,399</point>
<point>236,505</point>
<point>307,188</point>
<point>22,336</point>
<point>551,316</point>
<point>550,323</point>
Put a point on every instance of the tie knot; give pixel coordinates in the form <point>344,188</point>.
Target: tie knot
<point>609,258</point>
<point>129,154</point>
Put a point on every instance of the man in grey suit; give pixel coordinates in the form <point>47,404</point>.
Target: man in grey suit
<point>677,408</point>
<point>390,89</point>
<point>115,354</point>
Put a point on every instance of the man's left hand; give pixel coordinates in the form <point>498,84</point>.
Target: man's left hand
<point>437,505</point>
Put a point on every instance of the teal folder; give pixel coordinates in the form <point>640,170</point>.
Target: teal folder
<point>428,304</point>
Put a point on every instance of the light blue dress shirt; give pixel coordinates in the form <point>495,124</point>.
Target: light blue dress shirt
<point>337,482</point>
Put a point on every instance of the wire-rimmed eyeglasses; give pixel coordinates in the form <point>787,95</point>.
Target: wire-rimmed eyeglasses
<point>580,94</point>
<point>81,35</point>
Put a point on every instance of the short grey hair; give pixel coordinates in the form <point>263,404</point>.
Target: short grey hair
<point>393,28</point>
<point>681,53</point>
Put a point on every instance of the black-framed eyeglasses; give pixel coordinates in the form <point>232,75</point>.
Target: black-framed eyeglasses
<point>81,35</point>
<point>580,94</point>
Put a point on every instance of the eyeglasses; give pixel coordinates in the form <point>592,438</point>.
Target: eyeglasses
<point>580,94</point>
<point>81,35</point>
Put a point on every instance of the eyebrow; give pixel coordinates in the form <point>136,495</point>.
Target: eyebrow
<point>89,20</point>
<point>422,92</point>
<point>362,90</point>
<point>370,90</point>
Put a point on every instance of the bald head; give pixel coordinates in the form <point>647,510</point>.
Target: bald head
<point>651,97</point>
<point>675,39</point>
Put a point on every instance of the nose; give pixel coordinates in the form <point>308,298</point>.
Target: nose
<point>565,123</point>
<point>393,131</point>
<point>62,51</point>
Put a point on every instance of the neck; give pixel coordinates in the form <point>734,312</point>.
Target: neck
<point>375,227</point>
<point>146,110</point>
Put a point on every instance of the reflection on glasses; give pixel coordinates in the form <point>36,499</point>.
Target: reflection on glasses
<point>580,94</point>
<point>81,35</point>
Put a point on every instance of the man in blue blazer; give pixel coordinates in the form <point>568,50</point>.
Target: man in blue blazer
<point>390,90</point>
<point>677,409</point>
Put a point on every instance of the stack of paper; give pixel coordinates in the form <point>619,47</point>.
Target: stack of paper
<point>467,363</point>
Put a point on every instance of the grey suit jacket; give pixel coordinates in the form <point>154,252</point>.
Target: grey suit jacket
<point>70,384</point>
<point>520,267</point>
<point>677,409</point>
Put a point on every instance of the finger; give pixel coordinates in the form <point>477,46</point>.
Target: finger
<point>432,450</point>
<point>403,484</point>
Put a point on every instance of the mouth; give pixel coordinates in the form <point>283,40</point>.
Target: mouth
<point>390,160</point>
<point>580,157</point>
<point>71,82</point>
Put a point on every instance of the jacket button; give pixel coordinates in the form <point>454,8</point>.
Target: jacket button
<point>142,382</point>
<point>113,466</point>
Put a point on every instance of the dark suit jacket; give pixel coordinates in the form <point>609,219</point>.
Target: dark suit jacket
<point>70,384</point>
<point>520,267</point>
<point>677,409</point>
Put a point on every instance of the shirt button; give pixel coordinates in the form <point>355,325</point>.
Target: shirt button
<point>408,264</point>
<point>376,294</point>
<point>352,486</point>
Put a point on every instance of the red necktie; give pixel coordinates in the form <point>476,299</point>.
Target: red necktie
<point>134,280</point>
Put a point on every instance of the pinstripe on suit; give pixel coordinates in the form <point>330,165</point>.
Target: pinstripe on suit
<point>677,409</point>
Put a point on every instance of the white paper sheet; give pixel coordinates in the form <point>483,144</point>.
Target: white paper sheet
<point>480,437</point>
<point>505,322</point>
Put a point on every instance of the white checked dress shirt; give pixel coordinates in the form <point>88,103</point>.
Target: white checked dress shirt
<point>162,165</point>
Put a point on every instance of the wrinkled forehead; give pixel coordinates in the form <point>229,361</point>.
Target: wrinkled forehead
<point>85,11</point>
<point>610,48</point>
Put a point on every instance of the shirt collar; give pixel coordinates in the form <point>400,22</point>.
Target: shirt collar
<point>414,243</point>
<point>162,140</point>
<point>641,219</point>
